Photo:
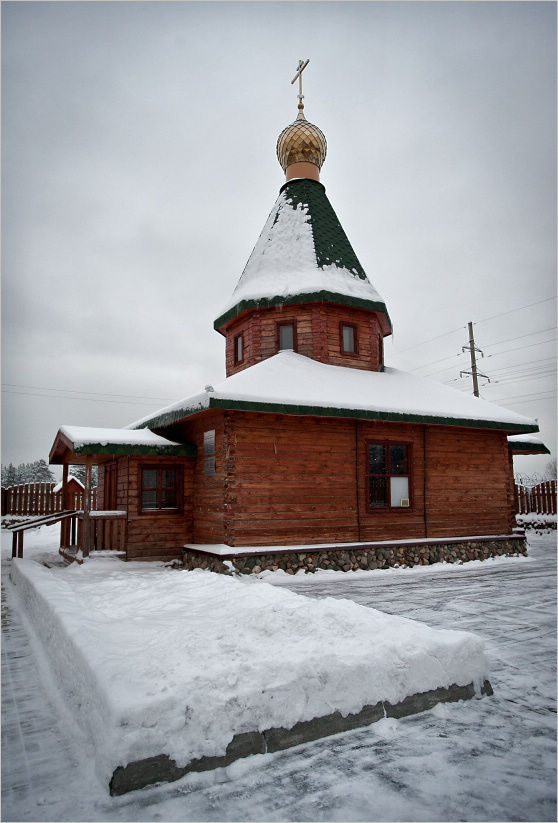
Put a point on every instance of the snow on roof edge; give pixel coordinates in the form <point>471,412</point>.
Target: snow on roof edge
<point>260,390</point>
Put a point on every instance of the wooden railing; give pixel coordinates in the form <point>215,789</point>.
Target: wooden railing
<point>29,499</point>
<point>108,530</point>
<point>539,499</point>
<point>19,529</point>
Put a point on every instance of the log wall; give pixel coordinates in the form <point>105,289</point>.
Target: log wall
<point>296,480</point>
<point>210,516</point>
<point>317,335</point>
<point>152,536</point>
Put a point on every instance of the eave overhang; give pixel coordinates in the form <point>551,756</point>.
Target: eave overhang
<point>307,297</point>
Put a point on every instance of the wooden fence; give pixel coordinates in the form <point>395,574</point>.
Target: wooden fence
<point>539,499</point>
<point>28,499</point>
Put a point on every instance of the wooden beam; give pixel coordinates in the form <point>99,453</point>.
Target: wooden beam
<point>87,541</point>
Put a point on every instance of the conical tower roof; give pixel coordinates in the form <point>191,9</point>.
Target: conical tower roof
<point>303,256</point>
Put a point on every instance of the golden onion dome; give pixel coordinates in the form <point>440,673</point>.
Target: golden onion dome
<point>301,142</point>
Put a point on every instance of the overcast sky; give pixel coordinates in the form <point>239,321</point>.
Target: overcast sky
<point>139,168</point>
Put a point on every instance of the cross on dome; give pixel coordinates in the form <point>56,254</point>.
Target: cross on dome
<point>300,68</point>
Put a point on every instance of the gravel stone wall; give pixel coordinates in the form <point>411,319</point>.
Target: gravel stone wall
<point>355,558</point>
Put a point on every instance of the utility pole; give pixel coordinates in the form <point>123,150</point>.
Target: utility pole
<point>474,373</point>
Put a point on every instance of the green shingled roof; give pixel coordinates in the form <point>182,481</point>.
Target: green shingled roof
<point>334,274</point>
<point>330,241</point>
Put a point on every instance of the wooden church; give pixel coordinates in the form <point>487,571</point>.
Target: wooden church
<point>312,452</point>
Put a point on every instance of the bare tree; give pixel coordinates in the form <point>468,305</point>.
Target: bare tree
<point>551,469</point>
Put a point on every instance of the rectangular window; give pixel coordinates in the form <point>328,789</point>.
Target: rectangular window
<point>287,337</point>
<point>348,339</point>
<point>209,453</point>
<point>388,476</point>
<point>238,349</point>
<point>160,488</point>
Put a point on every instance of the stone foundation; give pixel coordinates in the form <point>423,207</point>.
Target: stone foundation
<point>364,556</point>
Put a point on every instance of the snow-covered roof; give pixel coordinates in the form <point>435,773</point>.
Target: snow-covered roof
<point>290,383</point>
<point>58,487</point>
<point>526,444</point>
<point>93,440</point>
<point>303,255</point>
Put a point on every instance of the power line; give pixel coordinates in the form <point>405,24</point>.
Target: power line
<point>85,399</point>
<point>511,311</point>
<point>534,396</point>
<point>510,339</point>
<point>424,342</point>
<point>529,400</point>
<point>426,365</point>
<point>483,320</point>
<point>78,391</point>
<point>524,363</point>
<point>520,348</point>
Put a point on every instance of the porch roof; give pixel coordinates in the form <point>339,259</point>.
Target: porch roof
<point>74,444</point>
<point>526,444</point>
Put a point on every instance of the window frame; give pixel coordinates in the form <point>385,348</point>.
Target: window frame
<point>279,325</point>
<point>179,509</point>
<point>342,349</point>
<point>388,507</point>
<point>236,358</point>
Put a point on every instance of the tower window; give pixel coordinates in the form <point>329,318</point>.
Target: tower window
<point>287,336</point>
<point>238,349</point>
<point>348,338</point>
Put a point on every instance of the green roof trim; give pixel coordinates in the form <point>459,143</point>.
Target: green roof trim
<point>532,448</point>
<point>170,417</point>
<point>297,299</point>
<point>186,450</point>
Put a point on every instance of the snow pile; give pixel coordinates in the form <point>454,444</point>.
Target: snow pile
<point>534,520</point>
<point>291,379</point>
<point>158,661</point>
<point>283,262</point>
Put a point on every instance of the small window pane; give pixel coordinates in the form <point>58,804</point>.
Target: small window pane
<point>399,491</point>
<point>209,442</point>
<point>377,458</point>
<point>378,492</point>
<point>398,459</point>
<point>209,465</point>
<point>169,479</point>
<point>149,478</point>
<point>349,339</point>
<point>149,499</point>
<point>238,348</point>
<point>286,337</point>
<point>168,499</point>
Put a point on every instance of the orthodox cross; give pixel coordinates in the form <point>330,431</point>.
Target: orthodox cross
<point>299,69</point>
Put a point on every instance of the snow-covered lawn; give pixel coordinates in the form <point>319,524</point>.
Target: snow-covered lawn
<point>487,759</point>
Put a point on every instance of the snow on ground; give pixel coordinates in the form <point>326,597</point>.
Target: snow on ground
<point>199,657</point>
<point>489,759</point>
